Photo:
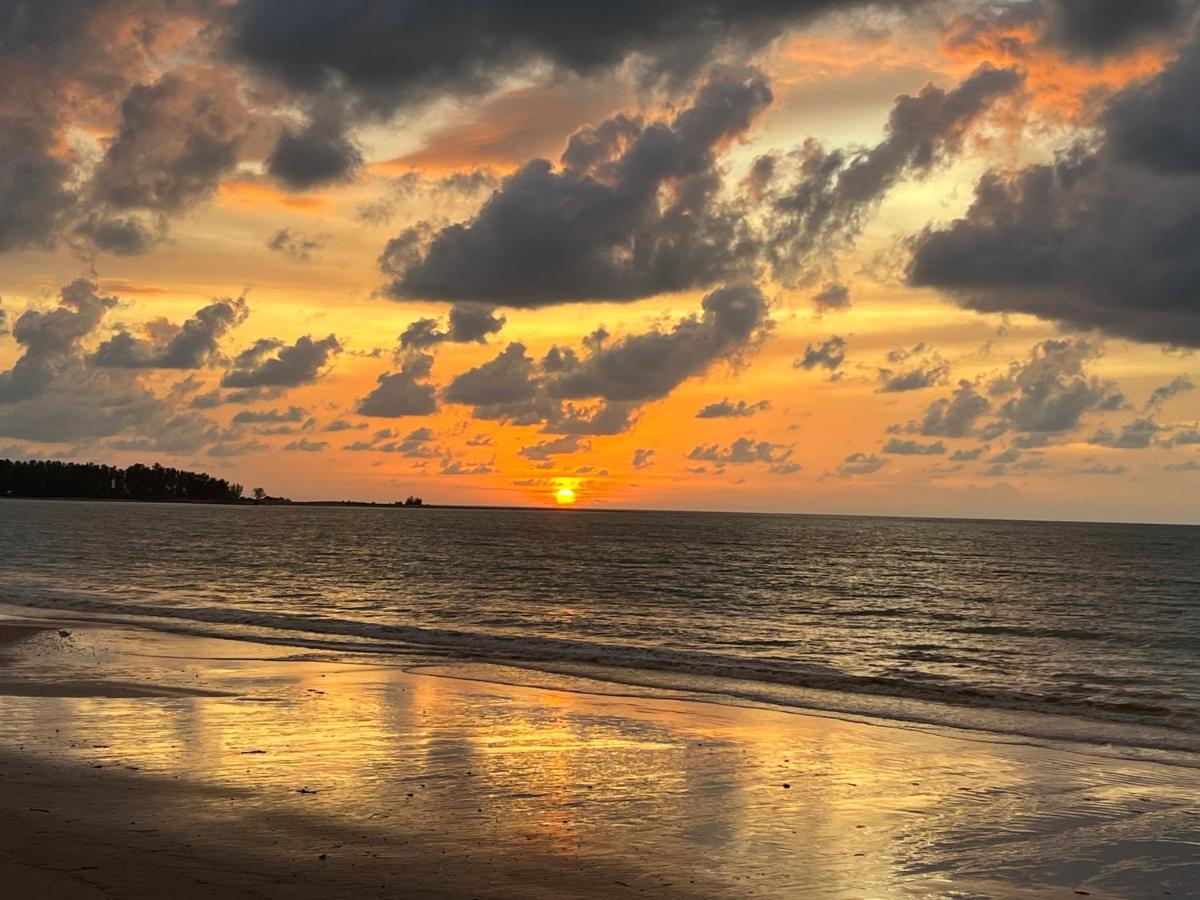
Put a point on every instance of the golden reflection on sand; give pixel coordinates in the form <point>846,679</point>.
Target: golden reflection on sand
<point>670,796</point>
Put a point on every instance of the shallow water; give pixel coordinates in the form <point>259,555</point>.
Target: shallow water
<point>1074,630</point>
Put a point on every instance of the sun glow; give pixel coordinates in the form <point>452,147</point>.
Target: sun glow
<point>564,496</point>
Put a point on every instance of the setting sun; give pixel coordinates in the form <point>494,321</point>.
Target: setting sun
<point>564,496</point>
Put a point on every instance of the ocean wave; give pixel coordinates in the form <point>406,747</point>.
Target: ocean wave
<point>625,661</point>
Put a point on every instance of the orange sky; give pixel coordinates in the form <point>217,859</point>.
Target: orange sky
<point>834,81</point>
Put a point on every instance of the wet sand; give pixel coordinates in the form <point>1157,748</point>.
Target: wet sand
<point>139,764</point>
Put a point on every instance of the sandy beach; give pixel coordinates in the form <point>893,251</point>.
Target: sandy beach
<point>135,764</point>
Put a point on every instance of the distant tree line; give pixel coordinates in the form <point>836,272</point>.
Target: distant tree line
<point>50,478</point>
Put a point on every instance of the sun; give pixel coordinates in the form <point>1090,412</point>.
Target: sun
<point>564,496</point>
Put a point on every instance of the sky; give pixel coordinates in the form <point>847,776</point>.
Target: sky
<point>919,257</point>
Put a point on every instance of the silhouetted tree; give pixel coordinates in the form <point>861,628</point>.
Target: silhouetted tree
<point>51,478</point>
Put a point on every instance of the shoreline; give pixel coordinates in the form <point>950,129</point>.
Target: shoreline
<point>1058,729</point>
<point>584,508</point>
<point>452,786</point>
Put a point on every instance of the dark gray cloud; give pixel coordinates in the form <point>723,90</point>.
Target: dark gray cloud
<point>899,447</point>
<point>270,416</point>
<point>193,345</point>
<point>861,464</point>
<point>561,446</point>
<point>272,364</point>
<point>1156,123</point>
<point>50,340</point>
<point>649,366</point>
<point>1181,384</point>
<point>643,458</point>
<point>924,369</point>
<point>1136,435</point>
<point>744,451</point>
<point>969,455</point>
<point>295,245</point>
<point>53,393</point>
<point>817,199</point>
<point>828,354</point>
<point>304,445</point>
<point>118,235</point>
<point>35,192</point>
<point>1050,391</point>
<point>468,323</point>
<point>403,393</point>
<point>319,153</point>
<point>727,409</point>
<point>1188,465</point>
<point>1102,27</point>
<point>472,323</point>
<point>508,381</point>
<point>392,54</point>
<point>834,296</point>
<point>1186,436</point>
<point>1100,239</point>
<point>954,416</point>
<point>614,375</point>
<point>83,64</point>
<point>633,211</point>
<point>177,137</point>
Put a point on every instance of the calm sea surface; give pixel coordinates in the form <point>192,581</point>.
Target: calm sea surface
<point>1090,632</point>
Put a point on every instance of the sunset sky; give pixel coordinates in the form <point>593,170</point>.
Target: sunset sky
<point>931,258</point>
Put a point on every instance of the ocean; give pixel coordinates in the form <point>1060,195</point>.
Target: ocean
<point>1055,631</point>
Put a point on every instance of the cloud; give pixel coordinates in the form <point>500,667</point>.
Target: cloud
<point>1101,469</point>
<point>929,370</point>
<point>34,185</point>
<point>1051,391</point>
<point>53,393</point>
<point>633,211</point>
<point>557,447</point>
<point>1135,435</point>
<point>898,447</point>
<point>829,355</point>
<point>727,409</point>
<point>954,416</point>
<point>816,199</point>
<point>468,323</point>
<point>457,467</point>
<point>270,416</point>
<point>650,365</point>
<point>402,393</point>
<point>1100,239</point>
<point>969,455</point>
<point>192,345</point>
<point>643,458</point>
<point>304,445</point>
<point>392,55</point>
<point>50,340</point>
<point>472,323</point>
<point>1100,27</point>
<point>1188,465</point>
<point>615,374</point>
<point>1160,395</point>
<point>294,245</point>
<point>861,464</point>
<point>833,297</point>
<point>291,366</point>
<point>506,381</point>
<point>321,152</point>
<point>742,451</point>
<point>175,140</point>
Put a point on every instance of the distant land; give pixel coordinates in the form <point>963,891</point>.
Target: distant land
<point>52,479</point>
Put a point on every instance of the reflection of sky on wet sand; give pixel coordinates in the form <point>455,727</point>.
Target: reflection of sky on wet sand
<point>673,793</point>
